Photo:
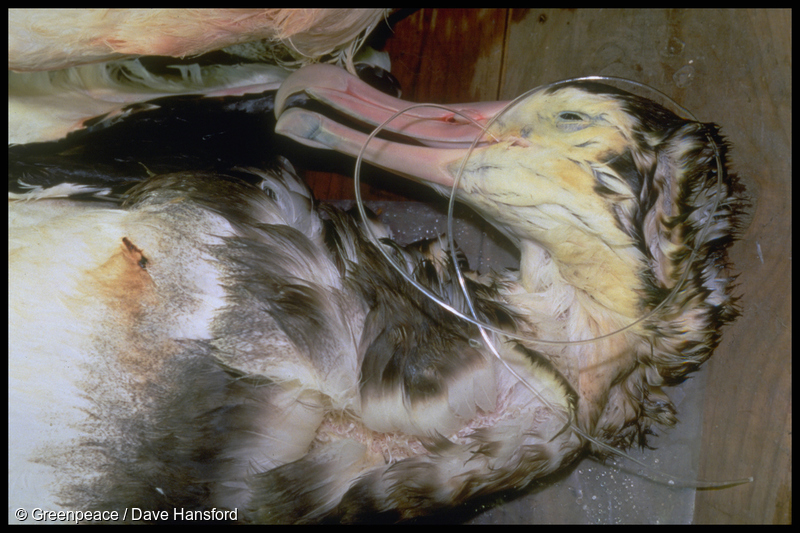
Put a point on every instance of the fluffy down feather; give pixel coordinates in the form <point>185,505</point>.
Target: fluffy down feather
<point>52,39</point>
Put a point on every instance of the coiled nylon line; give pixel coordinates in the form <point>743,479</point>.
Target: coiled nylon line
<point>483,327</point>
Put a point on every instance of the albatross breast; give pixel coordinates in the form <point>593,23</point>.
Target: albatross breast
<point>217,342</point>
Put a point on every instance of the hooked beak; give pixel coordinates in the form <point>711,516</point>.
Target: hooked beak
<point>445,135</point>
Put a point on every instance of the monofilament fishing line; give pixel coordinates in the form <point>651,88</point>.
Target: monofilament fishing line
<point>483,327</point>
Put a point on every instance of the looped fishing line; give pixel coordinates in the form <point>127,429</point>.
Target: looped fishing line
<point>483,327</point>
<point>451,205</point>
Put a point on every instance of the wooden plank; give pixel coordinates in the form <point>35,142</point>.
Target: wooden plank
<point>449,55</point>
<point>749,421</point>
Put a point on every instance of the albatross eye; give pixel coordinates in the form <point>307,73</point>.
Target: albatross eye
<point>571,116</point>
<point>572,120</point>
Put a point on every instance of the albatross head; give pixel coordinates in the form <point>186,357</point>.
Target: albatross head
<point>613,187</point>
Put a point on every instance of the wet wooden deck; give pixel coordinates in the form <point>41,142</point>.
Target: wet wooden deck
<point>729,67</point>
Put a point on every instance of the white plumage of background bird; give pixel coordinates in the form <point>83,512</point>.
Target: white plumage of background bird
<point>203,240</point>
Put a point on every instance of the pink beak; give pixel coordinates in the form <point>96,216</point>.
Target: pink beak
<point>446,135</point>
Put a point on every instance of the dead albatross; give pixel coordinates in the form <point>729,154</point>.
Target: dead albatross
<point>238,347</point>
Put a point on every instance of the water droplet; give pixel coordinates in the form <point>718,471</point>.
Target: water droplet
<point>684,76</point>
<point>674,47</point>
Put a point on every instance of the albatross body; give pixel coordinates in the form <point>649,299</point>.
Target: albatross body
<point>218,341</point>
